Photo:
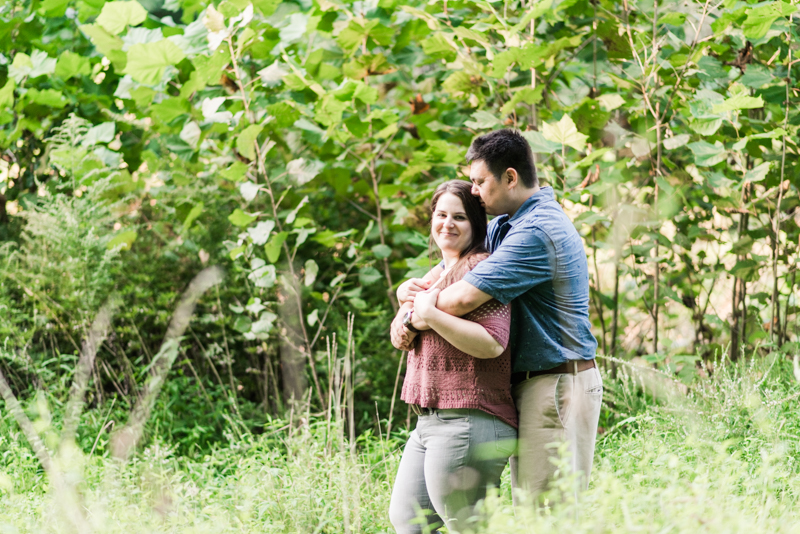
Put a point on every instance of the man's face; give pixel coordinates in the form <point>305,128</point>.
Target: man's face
<point>491,191</point>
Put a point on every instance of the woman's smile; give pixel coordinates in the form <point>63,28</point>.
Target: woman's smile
<point>451,228</point>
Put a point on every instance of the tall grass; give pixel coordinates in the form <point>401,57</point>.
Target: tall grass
<point>722,457</point>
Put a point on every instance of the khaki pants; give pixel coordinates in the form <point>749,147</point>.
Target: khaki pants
<point>553,410</point>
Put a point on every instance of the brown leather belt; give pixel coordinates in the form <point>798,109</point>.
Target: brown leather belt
<point>568,367</point>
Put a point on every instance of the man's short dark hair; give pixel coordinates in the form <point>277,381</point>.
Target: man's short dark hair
<point>504,149</point>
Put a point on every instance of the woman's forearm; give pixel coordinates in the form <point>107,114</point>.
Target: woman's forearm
<point>467,336</point>
<point>402,339</point>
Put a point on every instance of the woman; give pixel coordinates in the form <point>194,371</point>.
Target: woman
<point>458,382</point>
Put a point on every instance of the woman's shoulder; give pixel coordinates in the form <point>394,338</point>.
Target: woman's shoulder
<point>475,259</point>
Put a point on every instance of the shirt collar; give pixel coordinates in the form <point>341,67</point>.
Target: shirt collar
<point>542,195</point>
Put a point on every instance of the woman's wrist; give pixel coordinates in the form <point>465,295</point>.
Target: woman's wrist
<point>407,318</point>
<point>427,314</point>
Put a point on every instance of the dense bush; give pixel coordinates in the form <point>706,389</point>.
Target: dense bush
<point>295,144</point>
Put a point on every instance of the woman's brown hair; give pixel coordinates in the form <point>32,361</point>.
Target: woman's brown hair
<point>476,214</point>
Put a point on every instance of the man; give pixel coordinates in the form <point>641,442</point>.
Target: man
<point>538,263</point>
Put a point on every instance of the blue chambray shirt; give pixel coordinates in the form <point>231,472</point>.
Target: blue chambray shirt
<point>538,262</point>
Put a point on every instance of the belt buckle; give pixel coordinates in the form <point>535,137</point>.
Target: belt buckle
<point>420,410</point>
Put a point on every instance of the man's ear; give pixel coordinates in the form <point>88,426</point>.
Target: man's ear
<point>512,177</point>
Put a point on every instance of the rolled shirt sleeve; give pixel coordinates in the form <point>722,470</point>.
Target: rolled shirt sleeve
<point>524,260</point>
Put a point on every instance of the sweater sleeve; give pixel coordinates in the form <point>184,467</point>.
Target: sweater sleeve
<point>495,318</point>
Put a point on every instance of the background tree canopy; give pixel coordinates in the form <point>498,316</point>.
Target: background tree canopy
<point>296,143</point>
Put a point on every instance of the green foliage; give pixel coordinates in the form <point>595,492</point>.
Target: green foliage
<point>296,143</point>
<point>723,458</point>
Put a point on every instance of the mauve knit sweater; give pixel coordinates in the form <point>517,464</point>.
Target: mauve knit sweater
<point>439,375</point>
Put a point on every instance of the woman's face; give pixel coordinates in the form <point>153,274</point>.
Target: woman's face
<point>451,228</point>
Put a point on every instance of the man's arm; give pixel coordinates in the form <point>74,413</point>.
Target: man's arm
<point>524,260</point>
<point>458,299</point>
<point>461,298</point>
<point>467,336</point>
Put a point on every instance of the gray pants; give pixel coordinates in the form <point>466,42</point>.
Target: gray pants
<point>449,460</point>
<point>553,410</point>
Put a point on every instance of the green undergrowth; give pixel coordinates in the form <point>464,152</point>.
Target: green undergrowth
<point>720,456</point>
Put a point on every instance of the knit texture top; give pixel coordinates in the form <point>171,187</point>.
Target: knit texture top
<point>439,375</point>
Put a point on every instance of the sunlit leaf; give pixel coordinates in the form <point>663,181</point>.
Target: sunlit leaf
<point>193,214</point>
<point>116,16</point>
<point>102,133</point>
<point>483,119</point>
<point>240,218</point>
<point>101,39</point>
<point>273,75</point>
<point>539,144</point>
<point>70,65</point>
<point>611,101</point>
<point>311,270</point>
<point>740,101</point>
<point>706,154</point>
<point>245,142</point>
<point>7,94</point>
<point>122,241</point>
<point>676,141</point>
<point>249,191</point>
<point>564,132</point>
<point>46,97</point>
<point>236,172</point>
<point>273,246</point>
<point>260,232</point>
<point>758,173</point>
<point>146,62</point>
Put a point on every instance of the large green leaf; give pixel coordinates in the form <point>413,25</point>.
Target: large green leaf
<point>116,16</point>
<point>7,94</point>
<point>123,240</point>
<point>565,132</point>
<point>55,8</point>
<point>236,172</point>
<point>311,270</point>
<point>737,102</point>
<point>539,144</point>
<point>534,12</point>
<point>273,246</point>
<point>756,76</point>
<point>71,64</point>
<point>705,126</point>
<point>46,97</point>
<point>483,119</point>
<point>25,66</point>
<point>146,62</point>
<point>706,154</point>
<point>246,139</point>
<point>240,218</point>
<point>758,173</point>
<point>760,19</point>
<point>526,95</point>
<point>101,39</point>
<point>102,133</point>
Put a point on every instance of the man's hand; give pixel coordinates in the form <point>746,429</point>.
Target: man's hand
<point>402,337</point>
<point>408,289</point>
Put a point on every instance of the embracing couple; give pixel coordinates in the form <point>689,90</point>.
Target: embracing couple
<point>501,360</point>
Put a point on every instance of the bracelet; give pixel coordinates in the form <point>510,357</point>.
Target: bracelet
<point>407,322</point>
